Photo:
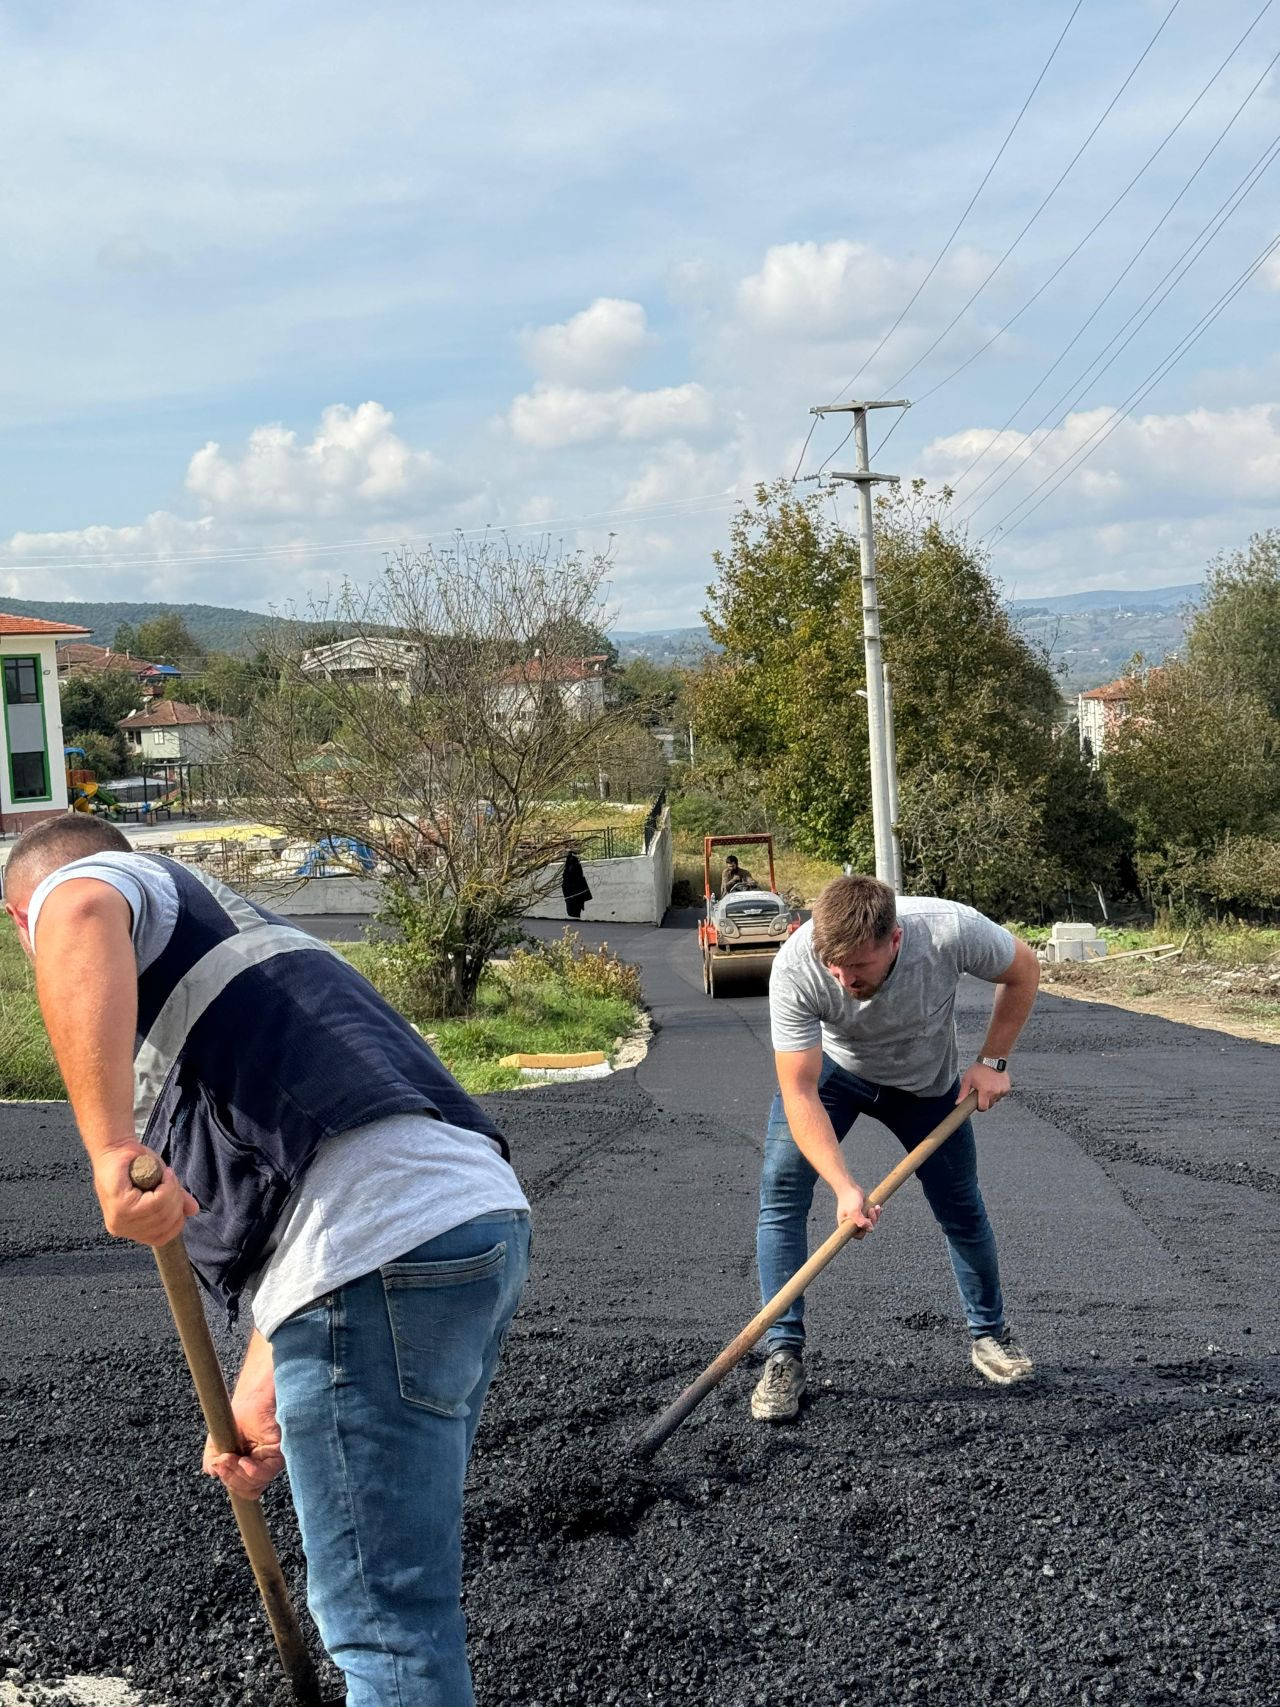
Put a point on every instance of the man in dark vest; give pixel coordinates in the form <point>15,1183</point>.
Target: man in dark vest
<point>328,1169</point>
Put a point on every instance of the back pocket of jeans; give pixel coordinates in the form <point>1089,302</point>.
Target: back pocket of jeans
<point>442,1318</point>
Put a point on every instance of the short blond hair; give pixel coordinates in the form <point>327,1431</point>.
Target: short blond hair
<point>850,914</point>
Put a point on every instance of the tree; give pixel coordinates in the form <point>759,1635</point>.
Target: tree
<point>167,640</point>
<point>1194,760</point>
<point>93,704</point>
<point>654,693</point>
<point>980,754</point>
<point>126,639</point>
<point>448,776</point>
<point>1234,638</point>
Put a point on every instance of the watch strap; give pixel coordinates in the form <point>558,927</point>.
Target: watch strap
<point>997,1063</point>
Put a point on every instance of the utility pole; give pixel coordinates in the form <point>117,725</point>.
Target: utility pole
<point>888,855</point>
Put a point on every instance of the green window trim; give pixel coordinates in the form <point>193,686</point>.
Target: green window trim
<point>16,804</point>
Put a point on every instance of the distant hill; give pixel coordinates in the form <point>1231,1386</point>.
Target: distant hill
<point>1118,599</point>
<point>663,645</point>
<point>218,628</point>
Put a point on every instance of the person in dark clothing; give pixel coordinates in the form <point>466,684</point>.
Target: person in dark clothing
<point>573,886</point>
<point>735,876</point>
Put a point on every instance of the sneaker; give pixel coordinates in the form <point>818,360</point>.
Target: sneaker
<point>999,1358</point>
<point>777,1394</point>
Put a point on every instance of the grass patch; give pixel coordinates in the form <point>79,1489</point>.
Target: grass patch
<point>26,1060</point>
<point>555,998</point>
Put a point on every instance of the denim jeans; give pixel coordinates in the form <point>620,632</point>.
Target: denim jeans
<point>379,1387</point>
<point>949,1179</point>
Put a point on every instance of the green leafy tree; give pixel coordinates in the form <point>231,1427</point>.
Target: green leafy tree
<point>1234,638</point>
<point>1195,760</point>
<point>93,704</point>
<point>167,640</point>
<point>652,693</point>
<point>103,755</point>
<point>981,761</point>
<point>126,639</point>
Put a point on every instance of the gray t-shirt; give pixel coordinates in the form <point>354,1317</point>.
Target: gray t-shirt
<point>370,1194</point>
<point>904,1035</point>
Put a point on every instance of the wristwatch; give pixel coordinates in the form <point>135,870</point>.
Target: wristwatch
<point>997,1063</point>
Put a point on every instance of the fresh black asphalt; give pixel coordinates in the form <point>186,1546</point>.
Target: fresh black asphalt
<point>1108,1534</point>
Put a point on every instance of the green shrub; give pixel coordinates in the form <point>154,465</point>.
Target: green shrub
<point>595,972</point>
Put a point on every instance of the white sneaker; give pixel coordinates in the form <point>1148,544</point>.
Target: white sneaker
<point>779,1389</point>
<point>999,1358</point>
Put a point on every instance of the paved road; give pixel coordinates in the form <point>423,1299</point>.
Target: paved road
<point>1104,1537</point>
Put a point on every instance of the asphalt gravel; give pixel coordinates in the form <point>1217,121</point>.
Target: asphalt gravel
<point>1105,1534</point>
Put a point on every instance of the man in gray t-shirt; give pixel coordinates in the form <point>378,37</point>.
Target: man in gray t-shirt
<point>862,1013</point>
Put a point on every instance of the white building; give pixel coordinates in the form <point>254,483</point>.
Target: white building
<point>367,658</point>
<point>33,777</point>
<point>578,682</point>
<point>1099,711</point>
<point>170,732</point>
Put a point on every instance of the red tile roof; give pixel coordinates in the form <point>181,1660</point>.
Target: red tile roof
<point>10,624</point>
<point>1121,689</point>
<point>555,670</point>
<point>79,655</point>
<point>169,713</point>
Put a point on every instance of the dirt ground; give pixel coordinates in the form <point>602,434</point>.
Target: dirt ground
<point>1243,1002</point>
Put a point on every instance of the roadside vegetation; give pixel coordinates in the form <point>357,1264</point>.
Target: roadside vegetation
<point>552,998</point>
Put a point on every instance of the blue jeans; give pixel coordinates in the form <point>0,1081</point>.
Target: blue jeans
<point>379,1388</point>
<point>949,1179</point>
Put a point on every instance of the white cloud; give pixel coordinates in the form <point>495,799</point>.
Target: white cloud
<point>826,290</point>
<point>552,416</point>
<point>594,347</point>
<point>1204,456</point>
<point>354,461</point>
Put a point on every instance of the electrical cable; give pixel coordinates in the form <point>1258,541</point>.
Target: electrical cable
<point>1102,218</point>
<point>1081,454</point>
<point>955,231</point>
<point>1110,292</point>
<point>968,304</point>
<point>1088,377</point>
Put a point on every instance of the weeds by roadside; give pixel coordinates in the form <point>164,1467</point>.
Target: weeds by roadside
<point>1226,975</point>
<point>26,1061</point>
<point>554,998</point>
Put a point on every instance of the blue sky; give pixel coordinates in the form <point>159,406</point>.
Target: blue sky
<point>288,282</point>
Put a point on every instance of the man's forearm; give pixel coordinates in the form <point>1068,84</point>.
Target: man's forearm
<point>1009,1013</point>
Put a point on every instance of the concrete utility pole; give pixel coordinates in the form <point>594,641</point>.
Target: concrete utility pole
<point>891,747</point>
<point>883,789</point>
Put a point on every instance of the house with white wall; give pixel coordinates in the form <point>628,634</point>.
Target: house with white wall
<point>33,778</point>
<point>1100,712</point>
<point>171,732</point>
<point>578,683</point>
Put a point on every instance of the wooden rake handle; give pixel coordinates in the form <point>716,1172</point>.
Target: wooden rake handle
<point>146,1173</point>
<point>646,1444</point>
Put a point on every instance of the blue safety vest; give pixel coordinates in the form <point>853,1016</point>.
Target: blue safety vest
<point>255,1042</point>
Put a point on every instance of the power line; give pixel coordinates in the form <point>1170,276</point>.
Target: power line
<point>1111,290</point>
<point>1102,218</point>
<point>964,309</point>
<point>955,231</point>
<point>1203,238</point>
<point>1081,454</point>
